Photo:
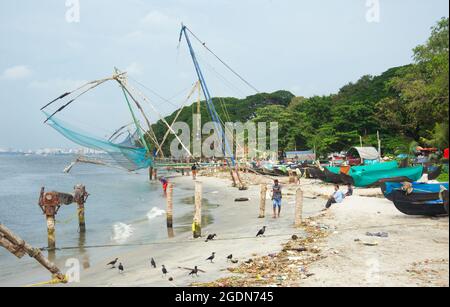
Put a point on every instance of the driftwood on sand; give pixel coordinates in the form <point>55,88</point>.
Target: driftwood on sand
<point>18,247</point>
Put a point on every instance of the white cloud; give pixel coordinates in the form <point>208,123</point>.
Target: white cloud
<point>134,69</point>
<point>157,18</point>
<point>16,73</point>
<point>58,84</point>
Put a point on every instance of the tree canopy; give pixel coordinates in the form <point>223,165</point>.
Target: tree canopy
<point>405,104</point>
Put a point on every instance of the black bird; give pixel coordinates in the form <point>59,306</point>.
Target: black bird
<point>113,263</point>
<point>153,263</point>
<point>230,257</point>
<point>234,261</point>
<point>210,237</point>
<point>261,231</point>
<point>193,271</point>
<point>121,268</point>
<point>164,270</point>
<point>211,258</point>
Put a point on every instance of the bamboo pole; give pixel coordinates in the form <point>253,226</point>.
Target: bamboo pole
<point>262,203</point>
<point>298,207</point>
<point>197,225</point>
<point>19,247</point>
<point>170,205</point>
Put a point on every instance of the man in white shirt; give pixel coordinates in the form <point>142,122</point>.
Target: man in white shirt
<point>337,197</point>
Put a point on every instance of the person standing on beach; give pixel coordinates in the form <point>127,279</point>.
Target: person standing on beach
<point>276,198</point>
<point>194,170</point>
<point>164,183</point>
<point>337,197</point>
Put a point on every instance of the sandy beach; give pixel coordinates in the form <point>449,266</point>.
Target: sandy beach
<point>332,249</point>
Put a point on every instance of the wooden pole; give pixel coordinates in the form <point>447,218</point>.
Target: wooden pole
<point>150,173</point>
<point>233,178</point>
<point>19,247</point>
<point>170,205</point>
<point>80,198</point>
<point>262,203</point>
<point>298,207</point>
<point>155,174</point>
<point>197,225</point>
<point>379,144</point>
<point>81,218</point>
<point>51,236</point>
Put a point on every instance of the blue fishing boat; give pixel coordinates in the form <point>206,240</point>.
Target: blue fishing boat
<point>433,189</point>
<point>419,203</point>
<point>429,199</point>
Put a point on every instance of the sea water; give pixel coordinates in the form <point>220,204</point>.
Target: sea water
<point>123,209</point>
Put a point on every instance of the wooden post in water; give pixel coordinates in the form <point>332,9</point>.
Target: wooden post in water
<point>197,224</point>
<point>298,207</point>
<point>150,173</point>
<point>80,197</point>
<point>19,247</point>
<point>51,232</point>
<point>170,205</point>
<point>155,174</point>
<point>262,203</point>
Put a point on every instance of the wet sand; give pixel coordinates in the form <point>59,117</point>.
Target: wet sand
<point>235,223</point>
<point>415,253</point>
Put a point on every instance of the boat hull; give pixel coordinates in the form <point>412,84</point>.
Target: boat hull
<point>419,204</point>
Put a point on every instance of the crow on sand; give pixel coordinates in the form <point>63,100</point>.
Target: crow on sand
<point>261,231</point>
<point>211,258</point>
<point>211,237</point>
<point>113,263</point>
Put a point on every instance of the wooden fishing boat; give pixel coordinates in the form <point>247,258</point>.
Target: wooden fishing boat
<point>316,173</point>
<point>419,203</point>
<point>376,178</point>
<point>332,177</point>
<point>434,172</point>
<point>433,190</point>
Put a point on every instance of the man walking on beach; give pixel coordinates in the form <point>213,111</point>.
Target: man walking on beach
<point>276,198</point>
<point>194,170</point>
<point>337,197</point>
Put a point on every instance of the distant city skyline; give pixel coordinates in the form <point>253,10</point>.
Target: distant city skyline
<point>306,47</point>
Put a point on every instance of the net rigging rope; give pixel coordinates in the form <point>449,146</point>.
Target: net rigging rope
<point>222,61</point>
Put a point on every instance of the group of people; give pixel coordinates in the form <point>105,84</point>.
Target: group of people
<point>336,198</point>
<point>165,182</point>
<point>277,194</point>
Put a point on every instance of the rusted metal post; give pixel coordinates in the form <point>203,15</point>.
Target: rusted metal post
<point>262,203</point>
<point>19,248</point>
<point>298,207</point>
<point>80,197</point>
<point>50,204</point>
<point>170,205</point>
<point>197,224</point>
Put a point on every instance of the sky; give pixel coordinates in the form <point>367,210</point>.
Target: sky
<point>306,47</point>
